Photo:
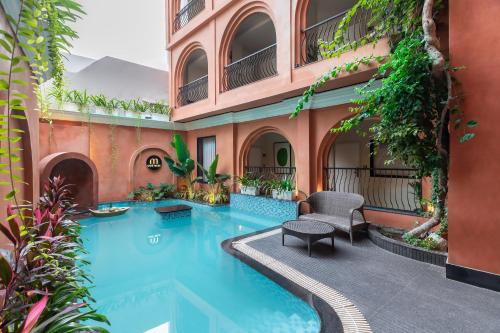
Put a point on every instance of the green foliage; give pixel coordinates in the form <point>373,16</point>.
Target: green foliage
<point>43,285</point>
<point>414,104</point>
<point>278,184</point>
<point>407,105</point>
<point>83,100</point>
<point>425,243</point>
<point>215,183</point>
<point>182,167</point>
<point>151,192</point>
<point>249,180</point>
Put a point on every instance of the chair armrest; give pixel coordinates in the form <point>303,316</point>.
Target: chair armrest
<point>358,209</point>
<point>299,204</point>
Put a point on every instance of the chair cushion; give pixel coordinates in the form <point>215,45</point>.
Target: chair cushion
<point>338,222</point>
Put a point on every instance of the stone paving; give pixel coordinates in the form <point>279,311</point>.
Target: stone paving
<point>394,293</point>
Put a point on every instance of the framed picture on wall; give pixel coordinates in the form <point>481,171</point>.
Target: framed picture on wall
<point>282,152</point>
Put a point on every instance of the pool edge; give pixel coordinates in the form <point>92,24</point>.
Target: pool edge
<point>350,320</point>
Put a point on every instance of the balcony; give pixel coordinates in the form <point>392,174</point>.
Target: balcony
<point>251,53</point>
<point>194,81</point>
<point>194,91</point>
<point>393,189</point>
<point>323,29</point>
<point>252,68</point>
<point>187,13</point>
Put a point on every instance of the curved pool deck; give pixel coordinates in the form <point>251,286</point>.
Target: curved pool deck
<point>394,293</point>
<point>156,275</point>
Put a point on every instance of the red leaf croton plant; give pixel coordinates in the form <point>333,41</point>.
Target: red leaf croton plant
<point>43,284</point>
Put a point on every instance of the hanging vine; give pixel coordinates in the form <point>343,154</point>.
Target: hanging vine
<point>415,103</point>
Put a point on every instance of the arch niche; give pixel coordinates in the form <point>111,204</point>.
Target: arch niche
<point>267,151</point>
<point>78,170</point>
<point>139,175</point>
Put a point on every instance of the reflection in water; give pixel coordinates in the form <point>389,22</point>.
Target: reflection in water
<point>154,275</point>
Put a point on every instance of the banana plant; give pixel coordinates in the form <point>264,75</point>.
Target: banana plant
<point>213,179</point>
<point>182,167</point>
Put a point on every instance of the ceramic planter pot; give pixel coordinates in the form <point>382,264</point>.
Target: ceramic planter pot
<point>283,195</point>
<point>249,190</point>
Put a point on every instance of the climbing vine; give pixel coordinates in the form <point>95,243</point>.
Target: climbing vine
<point>415,102</point>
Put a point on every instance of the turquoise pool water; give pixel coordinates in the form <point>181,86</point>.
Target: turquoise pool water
<point>172,276</point>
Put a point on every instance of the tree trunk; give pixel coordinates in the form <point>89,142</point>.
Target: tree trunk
<point>431,40</point>
<point>439,209</point>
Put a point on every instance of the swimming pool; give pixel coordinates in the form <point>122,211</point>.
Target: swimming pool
<point>172,276</point>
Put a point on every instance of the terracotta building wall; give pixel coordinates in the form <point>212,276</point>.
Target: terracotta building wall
<point>474,221</point>
<point>120,166</point>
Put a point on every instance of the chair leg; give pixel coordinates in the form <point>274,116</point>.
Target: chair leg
<point>309,248</point>
<point>350,235</point>
<point>282,239</point>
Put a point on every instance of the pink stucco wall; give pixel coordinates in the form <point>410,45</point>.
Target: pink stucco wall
<point>474,190</point>
<point>118,172</point>
<point>213,29</point>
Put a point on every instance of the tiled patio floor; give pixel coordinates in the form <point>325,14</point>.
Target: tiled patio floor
<point>395,294</point>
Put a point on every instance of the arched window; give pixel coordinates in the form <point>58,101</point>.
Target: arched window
<point>252,52</point>
<point>194,78</point>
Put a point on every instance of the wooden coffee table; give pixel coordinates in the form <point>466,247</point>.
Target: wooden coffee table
<point>308,231</point>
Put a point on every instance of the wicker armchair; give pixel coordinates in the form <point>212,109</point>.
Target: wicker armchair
<point>344,211</point>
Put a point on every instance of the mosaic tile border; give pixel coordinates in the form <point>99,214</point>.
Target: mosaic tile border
<point>352,320</point>
<point>282,209</point>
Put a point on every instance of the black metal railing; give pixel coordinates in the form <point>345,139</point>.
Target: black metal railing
<point>272,172</point>
<point>186,14</point>
<point>193,91</point>
<point>382,188</point>
<point>325,31</point>
<point>254,67</point>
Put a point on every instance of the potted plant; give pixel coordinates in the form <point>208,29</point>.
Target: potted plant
<point>249,184</point>
<point>283,189</point>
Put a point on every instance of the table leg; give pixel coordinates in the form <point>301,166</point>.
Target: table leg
<point>309,247</point>
<point>282,239</point>
<point>333,244</point>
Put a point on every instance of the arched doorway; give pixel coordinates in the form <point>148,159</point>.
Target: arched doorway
<point>251,55</point>
<point>353,164</point>
<point>194,78</point>
<point>270,155</point>
<point>79,171</point>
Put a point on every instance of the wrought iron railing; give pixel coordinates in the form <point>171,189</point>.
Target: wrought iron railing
<point>186,14</point>
<point>325,31</point>
<point>382,188</point>
<point>272,172</point>
<point>254,67</point>
<point>193,91</point>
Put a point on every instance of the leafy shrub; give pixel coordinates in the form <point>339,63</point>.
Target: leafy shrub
<point>278,184</point>
<point>249,180</point>
<point>44,284</point>
<point>425,243</point>
<point>151,193</point>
